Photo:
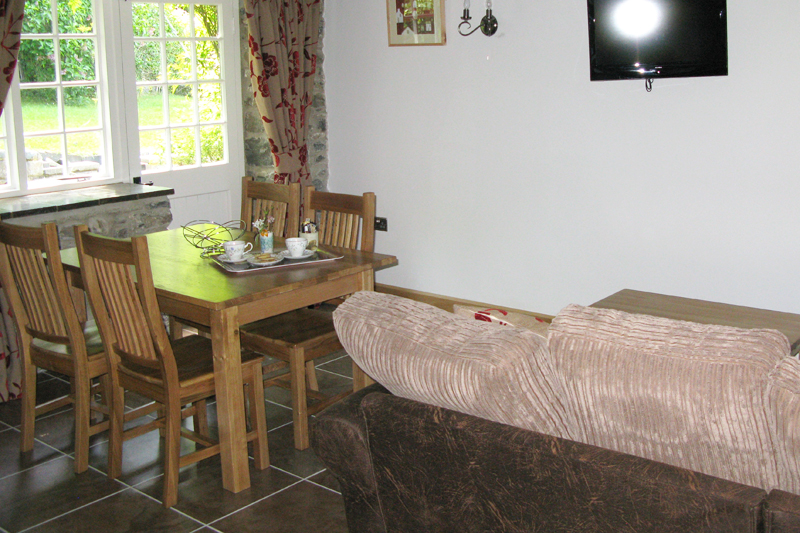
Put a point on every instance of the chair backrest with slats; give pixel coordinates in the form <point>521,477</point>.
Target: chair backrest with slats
<point>36,285</point>
<point>118,279</point>
<point>281,201</point>
<point>341,215</point>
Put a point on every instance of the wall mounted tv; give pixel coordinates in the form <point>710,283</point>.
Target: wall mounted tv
<point>647,39</point>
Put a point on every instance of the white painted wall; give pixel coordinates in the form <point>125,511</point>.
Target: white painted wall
<point>508,177</point>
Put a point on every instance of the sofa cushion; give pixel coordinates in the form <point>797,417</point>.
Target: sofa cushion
<point>686,394</point>
<point>503,318</point>
<point>426,354</point>
<point>782,399</point>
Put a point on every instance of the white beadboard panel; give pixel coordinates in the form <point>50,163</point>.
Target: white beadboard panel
<point>215,206</point>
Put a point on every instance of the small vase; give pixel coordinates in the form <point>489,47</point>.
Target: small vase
<point>266,242</point>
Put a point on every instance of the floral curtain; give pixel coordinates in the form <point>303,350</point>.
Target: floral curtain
<point>283,38</point>
<point>11,12</point>
<point>10,363</point>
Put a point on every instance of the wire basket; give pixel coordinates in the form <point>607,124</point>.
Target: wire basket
<point>211,236</point>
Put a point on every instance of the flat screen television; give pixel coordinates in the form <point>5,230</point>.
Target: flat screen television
<point>647,39</point>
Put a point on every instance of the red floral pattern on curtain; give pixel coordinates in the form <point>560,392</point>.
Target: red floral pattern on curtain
<point>283,38</point>
<point>11,13</point>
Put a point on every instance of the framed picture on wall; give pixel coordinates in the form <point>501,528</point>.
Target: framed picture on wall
<point>415,22</point>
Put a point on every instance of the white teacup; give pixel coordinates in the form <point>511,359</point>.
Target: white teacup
<point>296,246</point>
<point>235,250</point>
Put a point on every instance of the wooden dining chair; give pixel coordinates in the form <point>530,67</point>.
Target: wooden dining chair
<point>53,333</point>
<point>283,201</point>
<point>174,373</point>
<point>299,337</point>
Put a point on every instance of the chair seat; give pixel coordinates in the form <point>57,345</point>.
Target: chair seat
<point>194,359</point>
<point>94,343</point>
<point>292,330</point>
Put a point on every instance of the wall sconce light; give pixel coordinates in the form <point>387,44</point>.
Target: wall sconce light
<point>488,23</point>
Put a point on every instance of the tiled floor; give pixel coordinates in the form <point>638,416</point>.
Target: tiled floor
<point>39,491</point>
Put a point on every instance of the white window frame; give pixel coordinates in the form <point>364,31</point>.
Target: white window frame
<point>120,114</point>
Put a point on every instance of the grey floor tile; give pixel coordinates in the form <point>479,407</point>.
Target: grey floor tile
<point>283,454</point>
<point>47,491</point>
<point>128,511</point>
<point>47,388</point>
<point>14,461</point>
<point>301,507</point>
<point>200,492</point>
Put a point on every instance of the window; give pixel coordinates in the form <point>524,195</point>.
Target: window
<point>178,85</point>
<point>110,90</point>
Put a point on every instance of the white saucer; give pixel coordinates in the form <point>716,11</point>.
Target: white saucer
<point>225,259</point>
<point>255,262</point>
<point>306,254</point>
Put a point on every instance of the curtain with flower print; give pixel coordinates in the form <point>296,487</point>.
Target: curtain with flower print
<point>283,38</point>
<point>11,12</point>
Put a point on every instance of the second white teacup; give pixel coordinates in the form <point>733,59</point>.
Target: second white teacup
<point>296,246</point>
<point>235,250</point>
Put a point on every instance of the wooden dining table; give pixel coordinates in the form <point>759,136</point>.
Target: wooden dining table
<point>194,288</point>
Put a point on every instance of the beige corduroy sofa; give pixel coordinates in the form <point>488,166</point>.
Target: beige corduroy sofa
<point>636,423</point>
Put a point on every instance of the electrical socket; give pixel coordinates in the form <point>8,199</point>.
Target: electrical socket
<point>381,224</point>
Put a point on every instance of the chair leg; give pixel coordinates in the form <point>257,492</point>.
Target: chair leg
<point>258,419</point>
<point>83,416</point>
<point>311,376</point>
<point>175,328</point>
<point>172,451</point>
<point>116,421</point>
<point>201,417</point>
<point>28,407</point>
<point>297,371</point>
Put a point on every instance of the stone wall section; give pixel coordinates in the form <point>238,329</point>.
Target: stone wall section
<point>119,220</point>
<point>258,159</point>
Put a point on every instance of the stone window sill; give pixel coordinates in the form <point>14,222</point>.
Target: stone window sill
<point>54,202</point>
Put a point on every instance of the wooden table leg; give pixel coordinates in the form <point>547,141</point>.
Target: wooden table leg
<point>230,399</point>
<point>360,379</point>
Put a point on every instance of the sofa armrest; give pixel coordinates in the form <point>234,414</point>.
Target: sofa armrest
<point>339,438</point>
<point>782,512</point>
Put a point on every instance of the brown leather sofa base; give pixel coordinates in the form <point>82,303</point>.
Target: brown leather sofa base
<point>409,467</point>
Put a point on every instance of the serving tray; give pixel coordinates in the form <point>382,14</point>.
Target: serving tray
<point>320,256</point>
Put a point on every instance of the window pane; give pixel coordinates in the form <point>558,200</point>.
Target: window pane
<point>3,163</point>
<point>212,145</point>
<point>81,107</point>
<point>36,61</point>
<point>183,151</point>
<point>77,60</point>
<point>176,20</point>
<point>39,110</point>
<point>210,101</point>
<point>181,104</point>
<point>38,17</point>
<point>208,60</point>
<point>179,60</point>
<point>84,153</point>
<point>151,106</point>
<point>74,16</point>
<point>152,145</point>
<point>146,20</point>
<point>43,156</point>
<point>149,66</point>
<point>206,21</point>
